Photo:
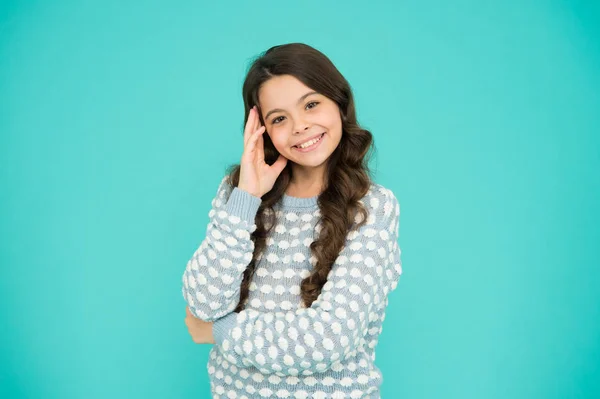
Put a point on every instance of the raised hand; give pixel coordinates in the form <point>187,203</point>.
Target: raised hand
<point>256,176</point>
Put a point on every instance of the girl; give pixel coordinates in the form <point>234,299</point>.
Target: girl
<point>291,282</point>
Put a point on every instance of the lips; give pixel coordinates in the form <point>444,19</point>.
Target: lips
<point>309,139</point>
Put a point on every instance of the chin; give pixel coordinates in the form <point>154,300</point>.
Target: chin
<point>312,162</point>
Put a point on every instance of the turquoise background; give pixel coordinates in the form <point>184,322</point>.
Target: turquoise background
<point>117,120</point>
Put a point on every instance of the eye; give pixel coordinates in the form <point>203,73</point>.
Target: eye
<point>275,121</point>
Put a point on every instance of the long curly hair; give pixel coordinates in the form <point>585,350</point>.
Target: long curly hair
<point>347,176</point>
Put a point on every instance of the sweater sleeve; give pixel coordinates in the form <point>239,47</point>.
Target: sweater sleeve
<point>213,276</point>
<point>312,340</point>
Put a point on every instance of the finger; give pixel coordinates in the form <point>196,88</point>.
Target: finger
<point>258,122</point>
<point>260,147</point>
<point>279,164</point>
<point>251,145</point>
<point>249,125</point>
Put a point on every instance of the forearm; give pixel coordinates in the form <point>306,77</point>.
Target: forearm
<point>213,276</point>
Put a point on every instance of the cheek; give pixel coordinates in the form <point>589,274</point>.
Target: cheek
<point>332,119</point>
<point>278,141</point>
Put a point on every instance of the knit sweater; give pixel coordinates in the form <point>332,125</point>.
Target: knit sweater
<point>276,347</point>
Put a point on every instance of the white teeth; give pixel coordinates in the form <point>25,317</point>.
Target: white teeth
<point>309,143</point>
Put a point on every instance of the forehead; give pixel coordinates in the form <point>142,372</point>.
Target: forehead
<point>281,91</point>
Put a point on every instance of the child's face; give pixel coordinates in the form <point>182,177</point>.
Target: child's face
<point>297,119</point>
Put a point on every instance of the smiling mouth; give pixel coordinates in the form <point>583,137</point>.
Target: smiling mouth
<point>318,138</point>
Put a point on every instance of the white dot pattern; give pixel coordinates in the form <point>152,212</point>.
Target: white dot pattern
<point>214,274</point>
<point>276,347</point>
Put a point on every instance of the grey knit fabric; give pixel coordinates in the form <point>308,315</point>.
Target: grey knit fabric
<point>276,347</point>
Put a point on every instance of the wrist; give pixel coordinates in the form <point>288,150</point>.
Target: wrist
<point>222,326</point>
<point>250,192</point>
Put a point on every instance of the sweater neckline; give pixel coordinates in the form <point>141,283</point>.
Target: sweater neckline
<point>288,201</point>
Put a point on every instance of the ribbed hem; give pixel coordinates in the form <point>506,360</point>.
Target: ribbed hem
<point>222,326</point>
<point>243,204</point>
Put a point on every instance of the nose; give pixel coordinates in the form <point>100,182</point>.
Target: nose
<point>300,127</point>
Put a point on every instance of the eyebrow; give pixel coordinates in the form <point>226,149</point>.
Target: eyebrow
<point>299,101</point>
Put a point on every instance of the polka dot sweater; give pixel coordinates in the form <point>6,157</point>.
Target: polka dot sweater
<point>276,347</point>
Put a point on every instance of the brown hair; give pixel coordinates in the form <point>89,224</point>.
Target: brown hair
<point>347,176</point>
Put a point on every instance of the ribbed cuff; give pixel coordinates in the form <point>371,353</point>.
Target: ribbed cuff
<point>243,204</point>
<point>222,326</point>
